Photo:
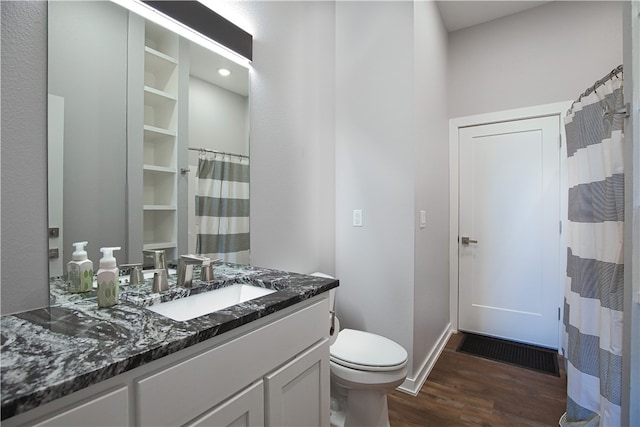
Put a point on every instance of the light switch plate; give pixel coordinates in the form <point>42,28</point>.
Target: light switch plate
<point>357,218</point>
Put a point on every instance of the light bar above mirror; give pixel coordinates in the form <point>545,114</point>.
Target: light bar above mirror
<point>196,22</point>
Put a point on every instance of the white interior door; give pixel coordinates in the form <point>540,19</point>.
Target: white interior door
<point>509,210</point>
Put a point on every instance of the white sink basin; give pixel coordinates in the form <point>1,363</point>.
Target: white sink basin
<point>207,302</point>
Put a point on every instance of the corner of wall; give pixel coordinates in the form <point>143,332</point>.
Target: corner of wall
<point>25,283</point>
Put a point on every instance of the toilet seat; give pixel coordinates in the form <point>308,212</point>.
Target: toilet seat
<point>365,351</point>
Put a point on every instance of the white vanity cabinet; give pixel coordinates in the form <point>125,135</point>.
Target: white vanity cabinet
<point>175,395</point>
<point>109,409</point>
<point>292,395</point>
<point>297,391</point>
<point>245,409</point>
<point>271,372</point>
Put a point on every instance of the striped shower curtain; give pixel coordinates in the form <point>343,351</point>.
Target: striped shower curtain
<point>222,207</point>
<point>594,287</point>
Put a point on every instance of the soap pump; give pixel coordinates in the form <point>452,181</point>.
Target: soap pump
<point>108,278</point>
<point>80,270</point>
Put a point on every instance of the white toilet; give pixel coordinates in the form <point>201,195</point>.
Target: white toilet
<point>364,368</point>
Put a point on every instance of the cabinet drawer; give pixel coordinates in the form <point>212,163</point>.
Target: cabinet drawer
<point>110,409</point>
<point>174,395</point>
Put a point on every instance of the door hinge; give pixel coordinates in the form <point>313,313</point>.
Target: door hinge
<point>560,227</point>
<point>558,313</point>
<point>560,140</point>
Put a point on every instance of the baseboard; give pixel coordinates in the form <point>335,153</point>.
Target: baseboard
<point>413,385</point>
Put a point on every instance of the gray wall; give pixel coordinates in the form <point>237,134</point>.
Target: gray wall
<point>431,269</point>
<point>88,68</point>
<point>631,319</point>
<point>292,133</point>
<point>217,118</point>
<point>375,142</point>
<point>547,54</point>
<point>24,268</point>
<point>392,162</point>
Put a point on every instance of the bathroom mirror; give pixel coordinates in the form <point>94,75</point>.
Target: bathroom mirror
<point>132,106</point>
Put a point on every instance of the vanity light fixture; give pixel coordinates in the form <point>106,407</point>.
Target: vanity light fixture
<point>224,72</point>
<point>148,12</point>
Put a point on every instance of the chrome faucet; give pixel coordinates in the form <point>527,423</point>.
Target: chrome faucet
<point>157,256</point>
<point>185,268</point>
<point>159,263</point>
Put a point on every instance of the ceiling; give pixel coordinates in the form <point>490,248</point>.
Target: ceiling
<point>457,15</point>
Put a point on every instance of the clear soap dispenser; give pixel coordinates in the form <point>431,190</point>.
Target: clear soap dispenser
<point>80,270</point>
<point>108,278</point>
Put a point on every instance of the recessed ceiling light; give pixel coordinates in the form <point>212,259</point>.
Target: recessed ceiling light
<point>223,72</point>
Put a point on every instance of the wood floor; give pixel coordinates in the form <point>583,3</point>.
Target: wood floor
<point>464,390</point>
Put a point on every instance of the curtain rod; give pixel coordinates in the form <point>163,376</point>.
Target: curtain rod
<point>207,150</point>
<point>598,83</point>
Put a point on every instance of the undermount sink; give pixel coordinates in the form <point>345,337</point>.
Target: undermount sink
<point>207,302</point>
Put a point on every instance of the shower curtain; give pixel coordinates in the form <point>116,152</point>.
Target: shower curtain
<point>592,341</point>
<point>222,207</point>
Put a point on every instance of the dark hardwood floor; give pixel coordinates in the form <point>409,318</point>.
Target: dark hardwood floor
<point>464,390</point>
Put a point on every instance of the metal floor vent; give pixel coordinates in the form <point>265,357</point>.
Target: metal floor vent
<point>527,356</point>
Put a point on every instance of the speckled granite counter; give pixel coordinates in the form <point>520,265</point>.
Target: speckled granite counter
<point>51,352</point>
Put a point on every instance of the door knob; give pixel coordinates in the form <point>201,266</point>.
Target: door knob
<point>466,240</point>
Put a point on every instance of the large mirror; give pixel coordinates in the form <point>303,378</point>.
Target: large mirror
<point>135,110</point>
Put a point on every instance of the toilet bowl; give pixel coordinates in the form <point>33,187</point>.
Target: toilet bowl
<point>364,367</point>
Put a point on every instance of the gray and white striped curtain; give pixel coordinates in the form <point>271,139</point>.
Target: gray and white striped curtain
<point>592,342</point>
<point>222,207</point>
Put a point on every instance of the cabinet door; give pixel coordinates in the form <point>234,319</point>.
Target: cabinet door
<point>297,394</point>
<point>245,409</point>
<point>111,409</point>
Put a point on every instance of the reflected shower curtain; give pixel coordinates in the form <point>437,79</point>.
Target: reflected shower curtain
<point>222,207</point>
<point>592,341</point>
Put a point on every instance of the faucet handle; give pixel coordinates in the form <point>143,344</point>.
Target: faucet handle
<point>206,271</point>
<point>135,273</point>
<point>160,282</point>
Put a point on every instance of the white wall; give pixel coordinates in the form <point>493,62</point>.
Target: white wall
<point>24,156</point>
<point>391,161</point>
<point>374,167</point>
<point>431,162</point>
<point>217,118</point>
<point>95,139</point>
<point>631,320</point>
<point>292,133</point>
<point>547,54</point>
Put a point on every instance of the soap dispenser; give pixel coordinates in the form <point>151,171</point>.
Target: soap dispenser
<point>108,278</point>
<point>80,270</point>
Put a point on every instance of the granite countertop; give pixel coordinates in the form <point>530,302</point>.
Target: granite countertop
<point>50,352</point>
